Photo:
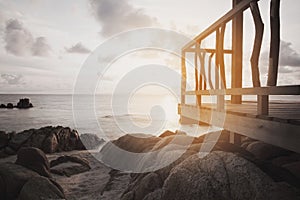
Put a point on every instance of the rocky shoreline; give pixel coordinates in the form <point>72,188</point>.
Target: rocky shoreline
<point>66,170</point>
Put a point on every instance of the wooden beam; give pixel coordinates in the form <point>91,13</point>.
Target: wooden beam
<point>259,31</point>
<point>243,5</point>
<point>237,47</point>
<point>275,42</point>
<point>275,90</point>
<point>225,51</point>
<point>280,134</point>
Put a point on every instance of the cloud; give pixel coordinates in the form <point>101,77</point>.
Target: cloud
<point>78,48</point>
<point>11,79</point>
<point>19,41</point>
<point>119,15</point>
<point>288,56</point>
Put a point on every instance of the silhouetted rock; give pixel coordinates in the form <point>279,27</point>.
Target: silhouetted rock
<point>73,165</point>
<point>12,179</point>
<point>34,159</point>
<point>2,106</point>
<point>40,188</point>
<point>49,139</point>
<point>10,106</point>
<point>89,141</point>
<point>24,103</point>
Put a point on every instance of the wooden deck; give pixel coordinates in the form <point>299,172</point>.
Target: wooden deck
<point>276,123</point>
<point>281,127</point>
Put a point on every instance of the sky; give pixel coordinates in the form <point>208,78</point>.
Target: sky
<point>44,44</point>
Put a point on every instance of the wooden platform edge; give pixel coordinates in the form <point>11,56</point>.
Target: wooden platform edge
<point>276,133</point>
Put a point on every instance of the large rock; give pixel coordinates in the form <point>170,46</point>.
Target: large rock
<point>40,188</point>
<point>220,175</point>
<point>19,139</point>
<point>12,179</point>
<point>34,159</point>
<point>50,144</point>
<point>67,139</point>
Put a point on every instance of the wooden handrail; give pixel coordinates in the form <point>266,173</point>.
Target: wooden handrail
<point>274,90</point>
<point>223,20</point>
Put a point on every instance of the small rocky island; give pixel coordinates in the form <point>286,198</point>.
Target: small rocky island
<point>22,104</point>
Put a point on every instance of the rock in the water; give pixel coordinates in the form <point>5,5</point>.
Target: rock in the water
<point>34,159</point>
<point>12,179</point>
<point>74,165</point>
<point>24,103</point>
<point>89,141</point>
<point>40,188</point>
<point>10,106</point>
<point>265,151</point>
<point>2,106</point>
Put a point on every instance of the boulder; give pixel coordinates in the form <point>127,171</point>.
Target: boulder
<point>34,159</point>
<point>10,106</point>
<point>2,106</point>
<point>265,151</point>
<point>40,188</point>
<point>24,104</point>
<point>67,139</point>
<point>69,165</point>
<point>12,179</point>
<point>220,175</point>
<point>19,139</point>
<point>50,144</point>
<point>89,141</point>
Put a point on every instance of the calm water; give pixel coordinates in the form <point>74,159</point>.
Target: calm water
<point>140,115</point>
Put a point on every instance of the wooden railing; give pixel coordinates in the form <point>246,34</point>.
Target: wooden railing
<point>203,82</point>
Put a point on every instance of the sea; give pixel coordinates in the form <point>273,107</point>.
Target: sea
<point>107,116</point>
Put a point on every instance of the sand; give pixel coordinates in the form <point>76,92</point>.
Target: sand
<point>93,184</point>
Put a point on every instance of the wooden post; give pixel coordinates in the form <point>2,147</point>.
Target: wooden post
<point>197,76</point>
<point>220,98</point>
<point>237,55</point>
<point>235,138</point>
<point>259,31</point>
<point>263,105</point>
<point>183,77</point>
<point>275,42</point>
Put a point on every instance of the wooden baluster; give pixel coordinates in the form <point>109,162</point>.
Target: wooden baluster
<point>275,42</point>
<point>221,56</point>
<point>259,31</point>
<point>209,71</point>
